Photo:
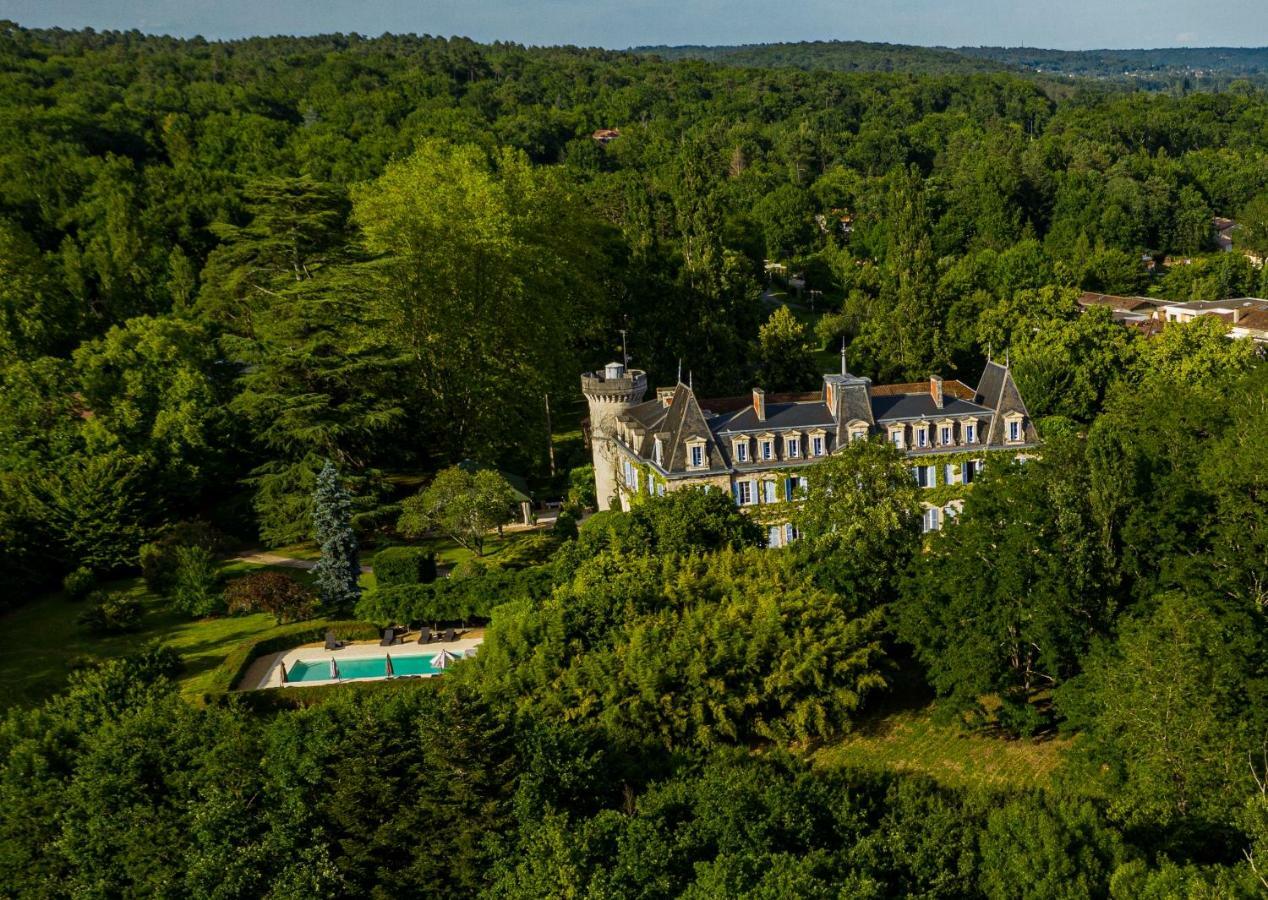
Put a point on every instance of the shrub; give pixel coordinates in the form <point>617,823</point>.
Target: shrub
<point>158,566</point>
<point>159,562</point>
<point>404,565</point>
<point>452,600</point>
<point>79,583</point>
<point>195,590</point>
<point>472,567</point>
<point>530,550</point>
<point>111,613</point>
<point>565,526</point>
<point>270,592</point>
<point>581,487</point>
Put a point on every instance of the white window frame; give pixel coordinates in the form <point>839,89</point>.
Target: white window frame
<point>744,492</point>
<point>922,436</point>
<point>970,432</point>
<point>946,433</point>
<point>741,450</point>
<point>816,445</point>
<point>770,492</point>
<point>768,449</point>
<point>898,437</point>
<point>697,456</point>
<point>1014,430</point>
<point>792,447</point>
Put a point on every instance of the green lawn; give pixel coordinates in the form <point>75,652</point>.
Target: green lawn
<point>42,641</point>
<point>911,741</point>
<point>449,554</point>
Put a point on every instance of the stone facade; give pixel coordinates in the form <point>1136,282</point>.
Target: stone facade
<point>757,447</point>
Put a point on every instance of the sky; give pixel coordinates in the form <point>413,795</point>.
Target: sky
<point>1062,24</point>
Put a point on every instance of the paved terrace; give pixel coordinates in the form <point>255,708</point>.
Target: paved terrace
<point>263,673</point>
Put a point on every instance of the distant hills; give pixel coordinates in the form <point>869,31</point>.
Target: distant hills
<point>1191,67</point>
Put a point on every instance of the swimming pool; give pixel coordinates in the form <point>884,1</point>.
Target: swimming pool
<point>308,670</point>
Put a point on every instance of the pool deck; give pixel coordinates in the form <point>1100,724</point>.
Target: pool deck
<point>263,673</point>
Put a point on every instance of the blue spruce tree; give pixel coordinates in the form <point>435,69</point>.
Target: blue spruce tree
<point>339,567</point>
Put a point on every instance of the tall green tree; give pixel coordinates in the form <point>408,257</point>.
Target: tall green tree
<point>318,379</point>
<point>990,616</point>
<point>484,281</point>
<point>785,358</point>
<point>465,505</point>
<point>859,518</point>
<point>1164,709</point>
<point>338,570</point>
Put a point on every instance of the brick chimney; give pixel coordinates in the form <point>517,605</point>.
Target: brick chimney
<point>935,390</point>
<point>759,404</point>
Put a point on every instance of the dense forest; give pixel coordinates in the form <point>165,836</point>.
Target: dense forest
<point>1177,69</point>
<point>838,56</point>
<point>238,276</point>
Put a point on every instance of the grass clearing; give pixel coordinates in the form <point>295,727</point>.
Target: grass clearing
<point>911,741</point>
<point>43,642</point>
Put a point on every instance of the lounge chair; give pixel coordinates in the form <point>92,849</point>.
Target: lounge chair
<point>389,637</point>
<point>332,642</point>
<point>424,635</point>
<point>449,635</point>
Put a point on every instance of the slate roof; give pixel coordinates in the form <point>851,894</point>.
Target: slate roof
<point>997,390</point>
<point>844,399</point>
<point>921,406</point>
<point>778,416</point>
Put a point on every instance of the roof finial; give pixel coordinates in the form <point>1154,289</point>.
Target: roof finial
<point>988,351</point>
<point>690,381</point>
<point>680,370</point>
<point>843,372</point>
<point>1005,357</point>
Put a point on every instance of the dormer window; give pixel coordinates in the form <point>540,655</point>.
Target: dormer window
<point>946,434</point>
<point>768,448</point>
<point>896,436</point>
<point>792,447</point>
<point>970,432</point>
<point>741,450</point>
<point>697,455</point>
<point>922,436</point>
<point>816,445</point>
<point>1013,424</point>
<point>658,452</point>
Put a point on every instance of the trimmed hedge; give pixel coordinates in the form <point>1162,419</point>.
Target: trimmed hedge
<point>404,565</point>
<point>235,665</point>
<point>455,599</point>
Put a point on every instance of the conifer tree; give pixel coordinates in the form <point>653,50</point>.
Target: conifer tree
<point>339,567</point>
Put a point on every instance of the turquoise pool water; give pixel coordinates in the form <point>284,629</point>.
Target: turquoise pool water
<point>367,667</point>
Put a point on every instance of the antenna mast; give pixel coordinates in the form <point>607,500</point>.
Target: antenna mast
<point>625,353</point>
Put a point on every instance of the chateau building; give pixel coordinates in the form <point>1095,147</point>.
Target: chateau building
<point>758,448</point>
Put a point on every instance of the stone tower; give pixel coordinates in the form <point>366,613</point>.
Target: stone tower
<point>609,392</point>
